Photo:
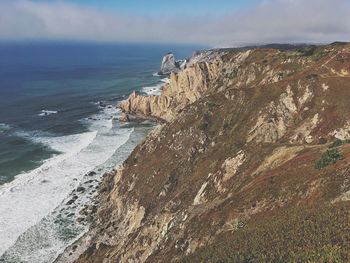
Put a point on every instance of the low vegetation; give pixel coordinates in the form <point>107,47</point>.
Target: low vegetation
<point>331,156</point>
<point>328,158</point>
<point>314,234</point>
<point>338,143</point>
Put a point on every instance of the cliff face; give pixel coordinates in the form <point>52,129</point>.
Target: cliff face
<point>209,70</point>
<point>247,168</point>
<point>184,88</point>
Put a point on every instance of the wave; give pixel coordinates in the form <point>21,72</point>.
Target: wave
<point>68,144</point>
<point>103,120</point>
<point>33,195</point>
<point>153,90</point>
<point>156,89</point>
<point>47,112</point>
<point>4,127</point>
<point>165,80</point>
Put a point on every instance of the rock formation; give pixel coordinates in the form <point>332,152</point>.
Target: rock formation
<point>185,87</point>
<point>251,165</point>
<point>124,117</point>
<point>169,65</point>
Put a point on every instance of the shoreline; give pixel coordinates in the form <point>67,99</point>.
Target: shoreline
<point>85,189</point>
<point>72,199</point>
<point>72,252</point>
<point>88,211</point>
<point>243,134</point>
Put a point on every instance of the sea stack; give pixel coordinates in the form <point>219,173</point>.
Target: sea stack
<point>170,64</point>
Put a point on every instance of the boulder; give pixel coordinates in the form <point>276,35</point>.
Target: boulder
<point>81,189</point>
<point>92,173</point>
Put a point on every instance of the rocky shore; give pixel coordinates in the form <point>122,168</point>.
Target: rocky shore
<point>250,164</point>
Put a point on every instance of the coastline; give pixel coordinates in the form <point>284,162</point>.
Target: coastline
<point>72,252</point>
<point>138,114</point>
<point>58,220</point>
<point>73,214</point>
<point>88,211</point>
<point>239,156</point>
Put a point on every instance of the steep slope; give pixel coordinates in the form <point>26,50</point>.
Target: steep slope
<point>252,164</point>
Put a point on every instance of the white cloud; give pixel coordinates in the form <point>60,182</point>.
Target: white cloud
<point>271,21</point>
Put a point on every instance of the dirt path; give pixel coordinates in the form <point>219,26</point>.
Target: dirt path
<point>338,74</point>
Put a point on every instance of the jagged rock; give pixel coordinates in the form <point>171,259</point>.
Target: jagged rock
<point>124,117</point>
<point>185,87</point>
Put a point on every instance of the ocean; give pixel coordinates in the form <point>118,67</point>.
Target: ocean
<point>59,133</point>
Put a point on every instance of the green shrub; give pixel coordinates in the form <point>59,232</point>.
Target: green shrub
<point>329,157</point>
<point>338,143</point>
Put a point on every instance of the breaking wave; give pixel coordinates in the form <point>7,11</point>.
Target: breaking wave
<point>32,196</point>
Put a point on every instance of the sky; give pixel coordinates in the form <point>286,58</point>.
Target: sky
<point>217,23</point>
<point>168,7</point>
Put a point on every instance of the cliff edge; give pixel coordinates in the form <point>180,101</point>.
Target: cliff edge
<point>251,165</point>
<point>185,87</point>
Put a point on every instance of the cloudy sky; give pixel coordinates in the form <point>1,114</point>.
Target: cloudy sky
<point>209,22</point>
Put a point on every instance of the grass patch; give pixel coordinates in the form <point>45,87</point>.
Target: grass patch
<point>314,234</point>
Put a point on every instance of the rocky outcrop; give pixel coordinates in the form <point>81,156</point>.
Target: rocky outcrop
<point>231,176</point>
<point>213,69</point>
<point>146,106</point>
<point>170,65</point>
<point>185,87</point>
<point>124,117</point>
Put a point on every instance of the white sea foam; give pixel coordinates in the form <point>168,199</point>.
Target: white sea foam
<point>165,80</point>
<point>47,112</point>
<point>33,195</point>
<point>69,143</point>
<point>156,89</point>
<point>4,127</point>
<point>43,242</point>
<point>153,90</point>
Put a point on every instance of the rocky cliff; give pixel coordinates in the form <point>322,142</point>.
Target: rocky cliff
<point>251,165</point>
<point>185,87</point>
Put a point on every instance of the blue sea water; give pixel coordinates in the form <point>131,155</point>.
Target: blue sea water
<point>58,123</point>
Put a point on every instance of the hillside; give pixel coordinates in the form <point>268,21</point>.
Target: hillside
<point>251,164</point>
